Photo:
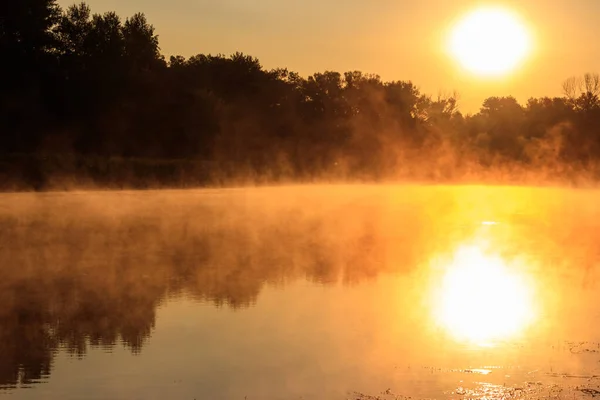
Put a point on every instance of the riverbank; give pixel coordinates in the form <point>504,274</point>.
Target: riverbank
<point>61,172</point>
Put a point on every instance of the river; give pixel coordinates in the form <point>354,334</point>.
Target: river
<point>301,292</point>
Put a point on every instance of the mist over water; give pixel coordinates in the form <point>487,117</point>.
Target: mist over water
<point>304,291</point>
<point>314,291</point>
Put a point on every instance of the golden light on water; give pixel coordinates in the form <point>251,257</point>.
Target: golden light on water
<point>481,299</point>
<point>490,41</point>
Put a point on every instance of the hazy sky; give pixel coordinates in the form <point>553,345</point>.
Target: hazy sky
<point>397,39</point>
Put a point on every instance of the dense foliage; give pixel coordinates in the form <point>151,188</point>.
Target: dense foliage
<point>79,86</point>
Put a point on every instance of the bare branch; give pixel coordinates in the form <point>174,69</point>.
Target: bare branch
<point>591,84</point>
<point>571,87</point>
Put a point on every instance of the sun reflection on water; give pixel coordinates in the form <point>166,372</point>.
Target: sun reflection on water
<point>483,299</point>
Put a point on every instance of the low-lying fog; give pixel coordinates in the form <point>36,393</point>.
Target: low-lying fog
<point>318,291</point>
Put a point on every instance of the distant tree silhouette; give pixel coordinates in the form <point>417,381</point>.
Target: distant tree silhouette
<point>90,96</point>
<point>26,44</point>
<point>26,38</point>
<point>583,92</point>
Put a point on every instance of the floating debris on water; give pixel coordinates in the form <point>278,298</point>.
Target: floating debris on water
<point>589,391</point>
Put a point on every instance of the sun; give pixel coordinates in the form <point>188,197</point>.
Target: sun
<point>481,299</point>
<point>490,41</point>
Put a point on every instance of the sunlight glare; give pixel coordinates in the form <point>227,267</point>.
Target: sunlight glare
<point>490,41</point>
<point>481,299</point>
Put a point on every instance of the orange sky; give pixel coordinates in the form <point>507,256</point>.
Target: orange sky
<point>397,39</point>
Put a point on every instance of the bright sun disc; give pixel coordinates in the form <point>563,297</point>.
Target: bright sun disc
<point>481,299</point>
<point>490,41</point>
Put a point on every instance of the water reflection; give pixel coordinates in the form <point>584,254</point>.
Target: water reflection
<point>90,270</point>
<point>482,299</point>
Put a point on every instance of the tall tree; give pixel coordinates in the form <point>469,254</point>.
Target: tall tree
<point>141,45</point>
<point>26,35</point>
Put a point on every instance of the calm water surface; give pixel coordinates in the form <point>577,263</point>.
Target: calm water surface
<point>317,292</point>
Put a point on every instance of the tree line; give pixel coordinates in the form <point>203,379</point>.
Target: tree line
<point>85,92</point>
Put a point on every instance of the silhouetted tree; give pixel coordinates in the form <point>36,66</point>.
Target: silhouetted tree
<point>90,95</point>
<point>583,92</point>
<point>26,44</point>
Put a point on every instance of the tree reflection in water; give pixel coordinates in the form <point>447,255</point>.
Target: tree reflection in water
<point>81,271</point>
<point>89,270</point>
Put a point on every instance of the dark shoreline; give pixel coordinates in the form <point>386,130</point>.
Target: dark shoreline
<point>65,172</point>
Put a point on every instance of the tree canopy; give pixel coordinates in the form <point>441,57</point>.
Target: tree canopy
<point>96,85</point>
